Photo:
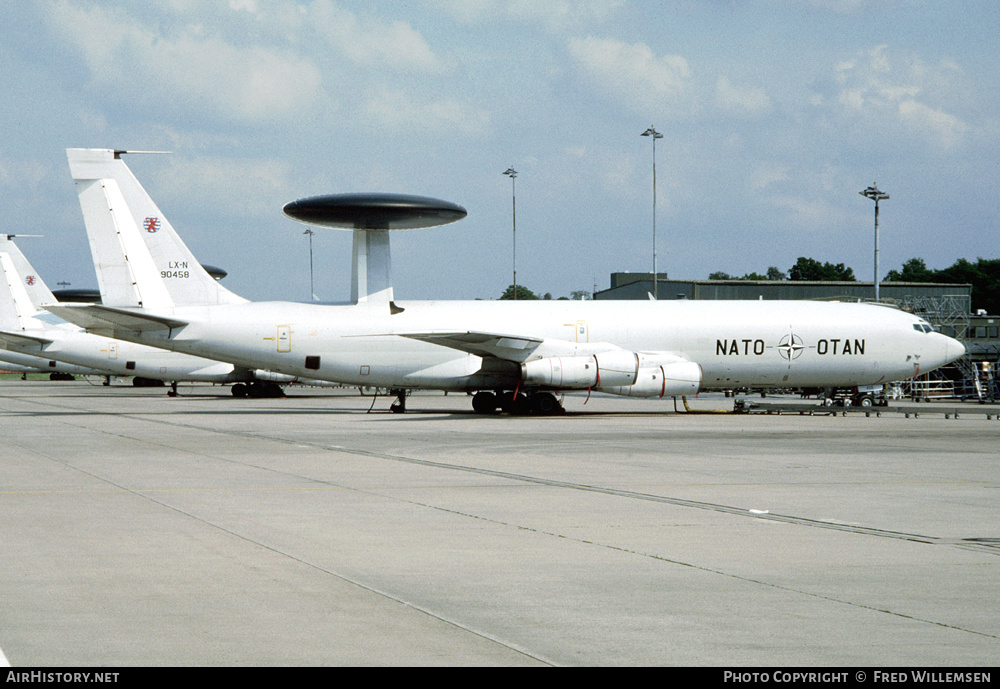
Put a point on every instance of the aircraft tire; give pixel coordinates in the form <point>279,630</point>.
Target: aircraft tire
<point>140,382</point>
<point>265,390</point>
<point>546,404</point>
<point>484,402</point>
<point>520,405</point>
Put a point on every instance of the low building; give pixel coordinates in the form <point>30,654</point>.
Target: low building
<point>640,286</point>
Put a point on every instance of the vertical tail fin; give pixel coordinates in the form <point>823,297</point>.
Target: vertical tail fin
<point>21,290</point>
<point>139,258</point>
<point>35,288</point>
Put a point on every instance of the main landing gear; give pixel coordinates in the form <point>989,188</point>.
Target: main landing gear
<point>493,402</point>
<point>399,406</point>
<point>257,389</point>
<point>517,403</point>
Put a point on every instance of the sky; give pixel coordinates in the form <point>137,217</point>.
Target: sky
<point>774,115</point>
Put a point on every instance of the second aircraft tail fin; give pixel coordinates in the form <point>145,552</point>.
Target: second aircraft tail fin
<point>22,291</point>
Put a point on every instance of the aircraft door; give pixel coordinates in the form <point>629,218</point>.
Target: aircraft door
<point>284,338</point>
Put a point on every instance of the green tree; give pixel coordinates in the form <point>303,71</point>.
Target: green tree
<point>914,270</point>
<point>523,293</point>
<point>773,273</point>
<point>811,269</point>
<point>983,275</point>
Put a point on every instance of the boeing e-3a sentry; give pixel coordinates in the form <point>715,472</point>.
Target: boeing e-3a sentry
<point>514,355</point>
<point>26,330</point>
<point>15,362</point>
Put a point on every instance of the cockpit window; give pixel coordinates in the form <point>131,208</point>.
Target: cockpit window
<point>922,328</point>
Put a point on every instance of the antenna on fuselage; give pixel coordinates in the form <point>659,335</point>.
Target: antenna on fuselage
<point>371,217</point>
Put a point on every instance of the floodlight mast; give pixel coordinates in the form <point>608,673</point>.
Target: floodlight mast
<point>875,195</point>
<point>512,173</point>
<point>656,135</point>
<point>312,289</point>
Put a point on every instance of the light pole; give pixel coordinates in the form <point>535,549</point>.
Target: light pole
<point>655,135</point>
<point>312,291</point>
<point>875,195</point>
<point>512,173</point>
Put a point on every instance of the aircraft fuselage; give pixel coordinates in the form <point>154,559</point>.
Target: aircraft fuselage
<point>736,344</point>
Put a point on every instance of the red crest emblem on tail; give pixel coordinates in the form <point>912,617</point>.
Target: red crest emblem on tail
<point>151,224</point>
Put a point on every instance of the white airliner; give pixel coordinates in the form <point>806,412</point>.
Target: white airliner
<point>28,331</point>
<point>515,355</point>
<point>25,363</point>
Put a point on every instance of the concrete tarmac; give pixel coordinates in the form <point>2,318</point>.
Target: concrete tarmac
<point>138,529</point>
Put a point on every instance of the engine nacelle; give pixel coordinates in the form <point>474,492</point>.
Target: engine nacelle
<point>272,377</point>
<point>662,375</point>
<point>576,372</point>
<point>670,380</point>
<point>615,368</point>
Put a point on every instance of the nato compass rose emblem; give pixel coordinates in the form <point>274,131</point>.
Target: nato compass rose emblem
<point>791,346</point>
<point>151,225</point>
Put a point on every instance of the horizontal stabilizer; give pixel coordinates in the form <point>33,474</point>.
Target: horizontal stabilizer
<point>97,318</point>
<point>20,339</point>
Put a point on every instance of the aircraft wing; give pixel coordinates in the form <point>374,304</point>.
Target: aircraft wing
<point>17,340</point>
<point>96,318</point>
<point>509,347</point>
<point>519,348</point>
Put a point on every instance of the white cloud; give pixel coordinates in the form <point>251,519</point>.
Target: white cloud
<point>247,186</point>
<point>632,71</point>
<point>837,6</point>
<point>19,173</point>
<point>394,45</point>
<point>552,15</point>
<point>765,176</point>
<point>741,100</point>
<point>187,66</point>
<point>250,6</point>
<point>810,215</point>
<point>394,108</point>
<point>879,84</point>
<point>946,129</point>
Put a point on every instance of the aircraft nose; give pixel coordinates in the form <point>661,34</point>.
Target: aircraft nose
<point>953,349</point>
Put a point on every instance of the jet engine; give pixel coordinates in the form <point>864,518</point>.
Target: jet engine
<point>615,368</point>
<point>273,377</point>
<point>617,372</point>
<point>667,379</point>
